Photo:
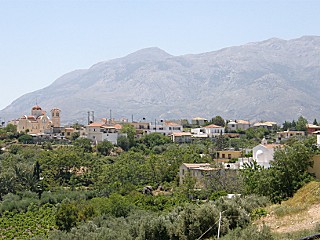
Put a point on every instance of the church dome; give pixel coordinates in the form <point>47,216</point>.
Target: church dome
<point>36,108</point>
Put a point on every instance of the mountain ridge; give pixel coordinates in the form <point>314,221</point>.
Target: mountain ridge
<point>254,81</point>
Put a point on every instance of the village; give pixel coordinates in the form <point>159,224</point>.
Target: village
<point>43,127</point>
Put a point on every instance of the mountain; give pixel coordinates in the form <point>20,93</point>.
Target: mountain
<point>269,80</point>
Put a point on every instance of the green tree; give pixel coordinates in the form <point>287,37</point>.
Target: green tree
<point>301,124</point>
<point>77,126</point>
<point>290,170</point>
<point>83,143</point>
<point>218,120</point>
<point>315,122</point>
<point>286,125</point>
<point>220,142</point>
<point>11,128</point>
<point>253,177</point>
<point>67,216</point>
<point>294,125</point>
<point>104,147</point>
<point>75,135</point>
<point>155,139</point>
<point>123,142</point>
<point>131,133</point>
<point>59,166</point>
<point>256,134</point>
<point>25,138</point>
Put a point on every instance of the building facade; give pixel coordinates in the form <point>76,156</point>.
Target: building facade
<point>38,122</point>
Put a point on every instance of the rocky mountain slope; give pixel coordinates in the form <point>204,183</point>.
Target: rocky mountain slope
<point>270,80</point>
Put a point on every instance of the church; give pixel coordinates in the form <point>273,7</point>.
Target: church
<point>38,122</point>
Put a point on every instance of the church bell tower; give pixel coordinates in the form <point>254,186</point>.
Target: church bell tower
<point>55,117</point>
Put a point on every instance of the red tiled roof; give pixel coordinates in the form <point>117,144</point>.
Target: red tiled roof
<point>200,166</point>
<point>272,145</point>
<point>243,122</point>
<point>95,124</point>
<point>213,126</point>
<point>108,127</point>
<point>178,134</point>
<point>118,126</point>
<point>173,124</point>
<point>313,126</point>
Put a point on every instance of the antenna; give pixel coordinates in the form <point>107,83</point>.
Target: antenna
<point>90,117</point>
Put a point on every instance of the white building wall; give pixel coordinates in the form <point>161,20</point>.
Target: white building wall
<point>213,132</point>
<point>111,137</point>
<point>263,155</point>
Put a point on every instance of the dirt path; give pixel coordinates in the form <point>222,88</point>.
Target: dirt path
<point>307,219</point>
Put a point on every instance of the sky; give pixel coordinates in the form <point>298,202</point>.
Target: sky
<point>44,39</point>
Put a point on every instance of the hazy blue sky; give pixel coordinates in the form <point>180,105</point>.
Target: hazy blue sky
<point>42,40</point>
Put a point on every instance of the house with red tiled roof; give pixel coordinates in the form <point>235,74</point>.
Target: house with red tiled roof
<point>199,121</point>
<point>181,137</point>
<point>311,128</point>
<point>100,131</point>
<point>194,170</point>
<point>238,125</point>
<point>142,128</point>
<point>265,125</point>
<point>209,131</point>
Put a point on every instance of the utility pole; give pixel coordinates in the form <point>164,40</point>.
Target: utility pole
<point>219,226</point>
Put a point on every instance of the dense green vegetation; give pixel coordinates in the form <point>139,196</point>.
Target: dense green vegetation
<point>81,191</point>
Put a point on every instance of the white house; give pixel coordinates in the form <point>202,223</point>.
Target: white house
<point>181,137</point>
<point>99,132</point>
<point>265,125</point>
<point>208,131</point>
<point>165,127</point>
<point>238,124</point>
<point>285,135</point>
<point>263,153</point>
<point>199,121</point>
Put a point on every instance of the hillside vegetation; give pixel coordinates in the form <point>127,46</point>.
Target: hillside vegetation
<point>298,216</point>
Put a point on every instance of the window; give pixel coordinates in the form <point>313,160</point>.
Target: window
<point>223,155</point>
<point>229,156</point>
<point>57,114</point>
